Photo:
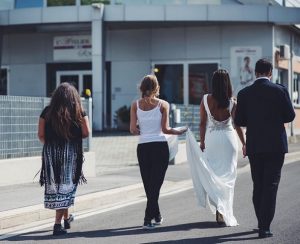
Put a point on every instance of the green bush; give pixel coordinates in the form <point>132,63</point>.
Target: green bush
<point>89,2</point>
<point>123,113</point>
<point>51,3</point>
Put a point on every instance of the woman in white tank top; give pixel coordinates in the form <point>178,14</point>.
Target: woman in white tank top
<point>149,118</point>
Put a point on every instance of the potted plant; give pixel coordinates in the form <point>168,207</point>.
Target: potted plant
<point>122,118</point>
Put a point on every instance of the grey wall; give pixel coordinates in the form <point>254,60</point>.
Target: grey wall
<point>132,51</point>
<point>26,56</point>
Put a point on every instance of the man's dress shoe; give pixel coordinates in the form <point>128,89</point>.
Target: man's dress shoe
<point>265,234</point>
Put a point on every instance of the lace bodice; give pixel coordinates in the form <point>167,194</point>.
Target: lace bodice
<point>215,125</point>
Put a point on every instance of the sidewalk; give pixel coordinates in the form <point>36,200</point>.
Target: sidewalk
<point>21,204</point>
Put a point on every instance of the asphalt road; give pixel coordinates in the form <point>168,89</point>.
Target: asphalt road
<point>185,222</point>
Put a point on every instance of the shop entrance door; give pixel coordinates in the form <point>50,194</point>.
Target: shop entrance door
<point>184,82</point>
<point>80,79</point>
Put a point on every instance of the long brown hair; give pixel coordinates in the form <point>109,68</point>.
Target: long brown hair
<point>221,88</point>
<point>65,110</point>
<point>149,86</point>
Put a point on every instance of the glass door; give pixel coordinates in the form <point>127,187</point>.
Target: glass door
<point>72,79</point>
<point>3,81</point>
<point>82,80</point>
<point>170,78</point>
<point>184,82</point>
<point>200,76</point>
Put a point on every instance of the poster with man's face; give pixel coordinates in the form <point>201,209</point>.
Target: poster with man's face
<point>242,62</point>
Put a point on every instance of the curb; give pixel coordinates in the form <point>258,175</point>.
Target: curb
<point>15,218</point>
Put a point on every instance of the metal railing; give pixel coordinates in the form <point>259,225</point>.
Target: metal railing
<point>189,116</point>
<point>19,125</point>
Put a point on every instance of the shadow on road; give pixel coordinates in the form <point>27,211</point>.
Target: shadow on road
<point>241,236</point>
<point>136,230</point>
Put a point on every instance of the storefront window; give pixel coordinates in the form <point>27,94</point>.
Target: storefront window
<point>200,81</point>
<point>3,82</point>
<point>29,3</point>
<point>296,93</point>
<point>51,3</point>
<point>170,78</point>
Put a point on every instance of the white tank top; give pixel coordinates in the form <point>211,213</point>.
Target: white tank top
<point>150,124</point>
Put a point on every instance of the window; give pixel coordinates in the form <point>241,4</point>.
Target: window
<point>89,2</point>
<point>51,3</point>
<point>29,3</point>
<point>3,82</point>
<point>296,92</point>
<point>200,76</point>
<point>184,83</point>
<point>170,78</point>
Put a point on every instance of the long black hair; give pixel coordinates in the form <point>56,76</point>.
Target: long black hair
<point>221,88</point>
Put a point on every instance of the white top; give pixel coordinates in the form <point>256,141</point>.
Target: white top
<point>150,124</point>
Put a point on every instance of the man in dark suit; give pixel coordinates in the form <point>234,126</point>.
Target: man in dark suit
<point>263,108</point>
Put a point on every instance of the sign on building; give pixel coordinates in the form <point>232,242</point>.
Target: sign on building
<point>72,48</point>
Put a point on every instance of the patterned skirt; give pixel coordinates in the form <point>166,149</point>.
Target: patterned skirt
<point>61,164</point>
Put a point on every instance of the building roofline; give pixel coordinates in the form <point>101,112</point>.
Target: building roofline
<point>153,13</point>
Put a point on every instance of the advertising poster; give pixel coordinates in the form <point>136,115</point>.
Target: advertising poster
<point>242,63</point>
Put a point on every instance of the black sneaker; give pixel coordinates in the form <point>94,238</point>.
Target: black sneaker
<point>67,222</point>
<point>158,220</point>
<point>58,230</point>
<point>148,226</point>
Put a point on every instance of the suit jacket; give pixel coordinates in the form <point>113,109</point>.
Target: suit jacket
<point>263,108</point>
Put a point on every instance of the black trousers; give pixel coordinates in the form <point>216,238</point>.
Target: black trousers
<point>153,159</point>
<point>266,172</point>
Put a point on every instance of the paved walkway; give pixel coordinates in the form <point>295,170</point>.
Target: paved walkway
<point>114,151</point>
<point>118,177</point>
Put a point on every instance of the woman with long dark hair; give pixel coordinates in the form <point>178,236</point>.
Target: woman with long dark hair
<point>149,118</point>
<point>62,125</point>
<point>214,166</point>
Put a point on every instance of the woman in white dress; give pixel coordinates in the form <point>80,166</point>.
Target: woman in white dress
<point>214,166</point>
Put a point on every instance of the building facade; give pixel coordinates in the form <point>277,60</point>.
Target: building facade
<point>109,48</point>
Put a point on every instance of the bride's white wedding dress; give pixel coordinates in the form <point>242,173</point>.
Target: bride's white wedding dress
<point>214,170</point>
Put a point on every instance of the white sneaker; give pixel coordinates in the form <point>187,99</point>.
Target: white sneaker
<point>158,221</point>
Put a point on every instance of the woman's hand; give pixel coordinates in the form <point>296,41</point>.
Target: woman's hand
<point>182,130</point>
<point>135,131</point>
<point>244,150</point>
<point>202,146</point>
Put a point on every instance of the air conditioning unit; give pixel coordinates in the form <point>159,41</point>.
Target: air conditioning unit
<point>284,51</point>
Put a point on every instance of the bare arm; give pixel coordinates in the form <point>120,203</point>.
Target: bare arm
<point>41,130</point>
<point>165,121</point>
<point>239,131</point>
<point>203,121</point>
<point>133,120</point>
<point>85,127</point>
